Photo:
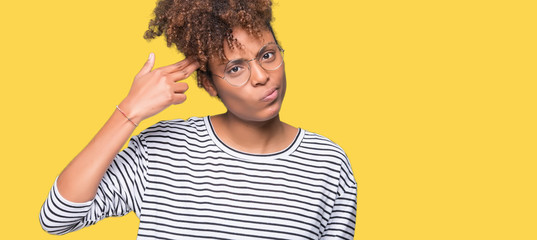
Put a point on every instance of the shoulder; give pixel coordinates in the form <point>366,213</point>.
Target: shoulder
<point>192,127</point>
<point>315,141</point>
<point>323,148</point>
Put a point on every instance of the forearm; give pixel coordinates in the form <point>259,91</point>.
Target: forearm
<point>78,182</point>
<point>151,92</point>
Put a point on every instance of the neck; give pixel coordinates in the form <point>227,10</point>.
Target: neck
<point>251,136</point>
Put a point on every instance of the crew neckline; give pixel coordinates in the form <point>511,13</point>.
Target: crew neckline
<point>245,155</point>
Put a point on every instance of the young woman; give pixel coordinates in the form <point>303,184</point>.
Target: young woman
<point>243,174</point>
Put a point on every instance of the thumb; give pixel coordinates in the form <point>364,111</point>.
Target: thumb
<point>148,66</point>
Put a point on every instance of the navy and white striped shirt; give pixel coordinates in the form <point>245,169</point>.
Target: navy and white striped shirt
<point>183,182</point>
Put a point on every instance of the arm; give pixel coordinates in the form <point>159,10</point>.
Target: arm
<point>151,92</point>
<point>343,216</point>
<point>119,192</point>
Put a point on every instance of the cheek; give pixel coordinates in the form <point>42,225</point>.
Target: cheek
<point>284,81</point>
<point>234,99</point>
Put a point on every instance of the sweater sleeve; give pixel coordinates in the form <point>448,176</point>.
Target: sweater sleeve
<point>119,192</point>
<point>343,216</point>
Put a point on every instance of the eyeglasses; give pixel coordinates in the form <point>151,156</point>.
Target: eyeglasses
<point>237,72</point>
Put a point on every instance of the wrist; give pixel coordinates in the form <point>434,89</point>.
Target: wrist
<point>129,113</point>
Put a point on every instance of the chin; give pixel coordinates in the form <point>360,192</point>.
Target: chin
<point>266,114</point>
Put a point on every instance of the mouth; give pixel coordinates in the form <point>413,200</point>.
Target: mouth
<point>270,95</point>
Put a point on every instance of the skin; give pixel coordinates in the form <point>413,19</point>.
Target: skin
<point>151,92</point>
<point>249,125</point>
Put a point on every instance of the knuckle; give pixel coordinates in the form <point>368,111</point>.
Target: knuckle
<point>180,63</point>
<point>183,86</point>
<point>167,88</point>
<point>169,98</point>
<point>184,73</point>
<point>158,72</point>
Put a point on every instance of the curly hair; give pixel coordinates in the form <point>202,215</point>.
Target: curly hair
<point>199,28</point>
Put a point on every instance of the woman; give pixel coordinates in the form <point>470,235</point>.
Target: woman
<point>243,174</point>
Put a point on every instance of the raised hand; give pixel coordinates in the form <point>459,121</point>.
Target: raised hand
<point>151,92</point>
<point>154,90</point>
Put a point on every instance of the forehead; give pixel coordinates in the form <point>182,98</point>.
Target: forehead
<point>248,45</point>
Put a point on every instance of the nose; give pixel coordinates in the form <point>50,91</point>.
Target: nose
<point>258,75</point>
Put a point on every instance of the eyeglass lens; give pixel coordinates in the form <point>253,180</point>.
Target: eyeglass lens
<point>269,57</point>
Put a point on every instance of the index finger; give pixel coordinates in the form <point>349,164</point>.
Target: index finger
<point>178,66</point>
<point>185,72</point>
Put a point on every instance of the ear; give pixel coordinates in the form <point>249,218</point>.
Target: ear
<point>209,86</point>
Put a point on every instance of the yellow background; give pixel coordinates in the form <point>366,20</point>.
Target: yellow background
<point>433,101</point>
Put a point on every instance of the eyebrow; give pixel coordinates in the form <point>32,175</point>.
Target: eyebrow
<point>257,55</point>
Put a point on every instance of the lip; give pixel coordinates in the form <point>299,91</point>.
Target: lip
<point>270,95</point>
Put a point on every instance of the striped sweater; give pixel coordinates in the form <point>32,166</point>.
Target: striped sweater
<point>183,182</point>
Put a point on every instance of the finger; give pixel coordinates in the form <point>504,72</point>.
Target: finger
<point>179,98</point>
<point>180,87</point>
<point>177,66</point>
<point>148,65</point>
<point>184,73</point>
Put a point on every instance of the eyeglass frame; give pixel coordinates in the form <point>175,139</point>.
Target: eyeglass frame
<point>248,63</point>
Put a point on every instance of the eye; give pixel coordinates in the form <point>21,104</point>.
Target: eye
<point>267,56</point>
<point>234,70</point>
